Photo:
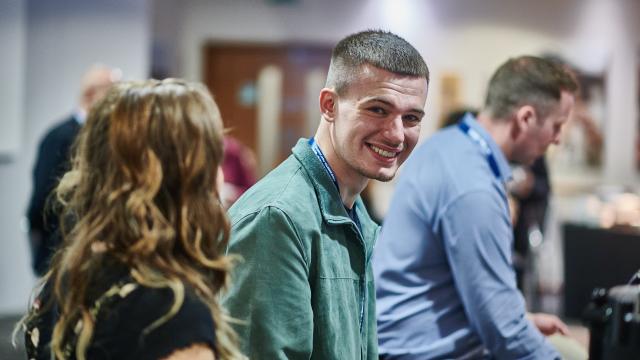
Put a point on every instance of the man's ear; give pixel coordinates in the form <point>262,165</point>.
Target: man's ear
<point>328,104</point>
<point>525,117</point>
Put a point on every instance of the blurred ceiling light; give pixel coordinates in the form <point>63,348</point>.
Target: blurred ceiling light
<point>399,15</point>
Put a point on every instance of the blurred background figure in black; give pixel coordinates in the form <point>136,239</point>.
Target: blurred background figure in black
<point>531,190</point>
<point>53,161</point>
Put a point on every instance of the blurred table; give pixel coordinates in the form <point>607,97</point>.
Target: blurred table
<point>596,257</point>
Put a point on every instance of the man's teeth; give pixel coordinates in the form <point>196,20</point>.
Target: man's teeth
<point>384,153</point>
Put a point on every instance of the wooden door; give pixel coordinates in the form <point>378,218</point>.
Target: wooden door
<point>231,72</point>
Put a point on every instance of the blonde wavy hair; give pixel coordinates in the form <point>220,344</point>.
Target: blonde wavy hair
<point>142,189</point>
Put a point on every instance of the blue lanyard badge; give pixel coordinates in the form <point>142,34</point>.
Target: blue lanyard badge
<point>484,147</point>
<point>316,149</point>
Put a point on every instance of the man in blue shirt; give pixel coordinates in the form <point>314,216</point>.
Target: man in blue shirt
<point>445,283</point>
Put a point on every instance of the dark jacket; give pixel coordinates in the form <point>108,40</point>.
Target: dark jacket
<point>51,163</point>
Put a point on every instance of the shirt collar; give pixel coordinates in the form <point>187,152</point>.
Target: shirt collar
<point>333,211</point>
<point>80,116</point>
<point>501,160</point>
<point>326,191</point>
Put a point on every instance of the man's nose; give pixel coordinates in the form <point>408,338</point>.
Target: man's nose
<point>394,131</point>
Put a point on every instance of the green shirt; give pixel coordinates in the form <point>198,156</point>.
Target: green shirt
<point>304,289</point>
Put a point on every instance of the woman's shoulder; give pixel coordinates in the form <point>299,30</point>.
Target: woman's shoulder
<point>132,321</point>
<point>153,320</point>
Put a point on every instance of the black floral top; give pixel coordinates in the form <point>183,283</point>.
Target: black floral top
<point>124,313</point>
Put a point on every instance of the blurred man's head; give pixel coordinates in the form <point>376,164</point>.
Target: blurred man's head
<point>537,95</point>
<point>95,83</point>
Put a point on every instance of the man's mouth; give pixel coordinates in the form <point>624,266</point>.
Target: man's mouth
<point>384,153</point>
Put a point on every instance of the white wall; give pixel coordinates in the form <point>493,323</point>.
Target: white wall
<point>15,277</point>
<point>621,41</point>
<point>470,38</point>
<point>12,33</point>
<point>63,38</point>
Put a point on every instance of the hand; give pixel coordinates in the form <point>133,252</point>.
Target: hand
<point>548,324</point>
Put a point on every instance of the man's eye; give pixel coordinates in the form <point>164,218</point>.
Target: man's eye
<point>378,110</point>
<point>411,118</point>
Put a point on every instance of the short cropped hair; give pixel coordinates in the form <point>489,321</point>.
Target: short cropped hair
<point>381,49</point>
<point>528,80</point>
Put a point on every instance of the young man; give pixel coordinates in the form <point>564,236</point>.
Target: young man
<point>304,289</point>
<point>446,286</point>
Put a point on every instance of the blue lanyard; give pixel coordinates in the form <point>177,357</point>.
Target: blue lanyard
<point>353,215</point>
<point>484,147</point>
<point>316,149</point>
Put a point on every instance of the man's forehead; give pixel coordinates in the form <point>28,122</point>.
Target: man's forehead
<point>566,103</point>
<point>383,83</point>
<point>371,72</point>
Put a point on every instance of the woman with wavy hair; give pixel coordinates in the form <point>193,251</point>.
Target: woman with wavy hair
<point>141,264</point>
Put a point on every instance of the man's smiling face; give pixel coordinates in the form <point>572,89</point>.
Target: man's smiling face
<point>377,122</point>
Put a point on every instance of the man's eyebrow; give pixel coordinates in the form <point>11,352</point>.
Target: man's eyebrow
<point>390,104</point>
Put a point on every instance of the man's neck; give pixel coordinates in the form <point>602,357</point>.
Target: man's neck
<point>499,130</point>
<point>350,183</point>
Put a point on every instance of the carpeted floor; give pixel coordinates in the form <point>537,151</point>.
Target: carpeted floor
<point>7,350</point>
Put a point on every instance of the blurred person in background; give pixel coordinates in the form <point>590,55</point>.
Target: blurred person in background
<point>140,268</point>
<point>531,189</point>
<point>305,288</point>
<point>582,136</point>
<point>445,281</point>
<point>239,167</point>
<point>52,162</point>
<point>528,197</point>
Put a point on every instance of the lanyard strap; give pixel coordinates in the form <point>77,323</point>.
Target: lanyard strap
<point>484,147</point>
<point>316,149</point>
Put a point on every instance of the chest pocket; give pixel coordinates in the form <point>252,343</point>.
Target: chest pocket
<point>341,254</point>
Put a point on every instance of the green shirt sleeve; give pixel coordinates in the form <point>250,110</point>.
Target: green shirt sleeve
<point>270,292</point>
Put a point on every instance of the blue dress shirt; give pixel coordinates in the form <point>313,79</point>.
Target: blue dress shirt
<point>445,284</point>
